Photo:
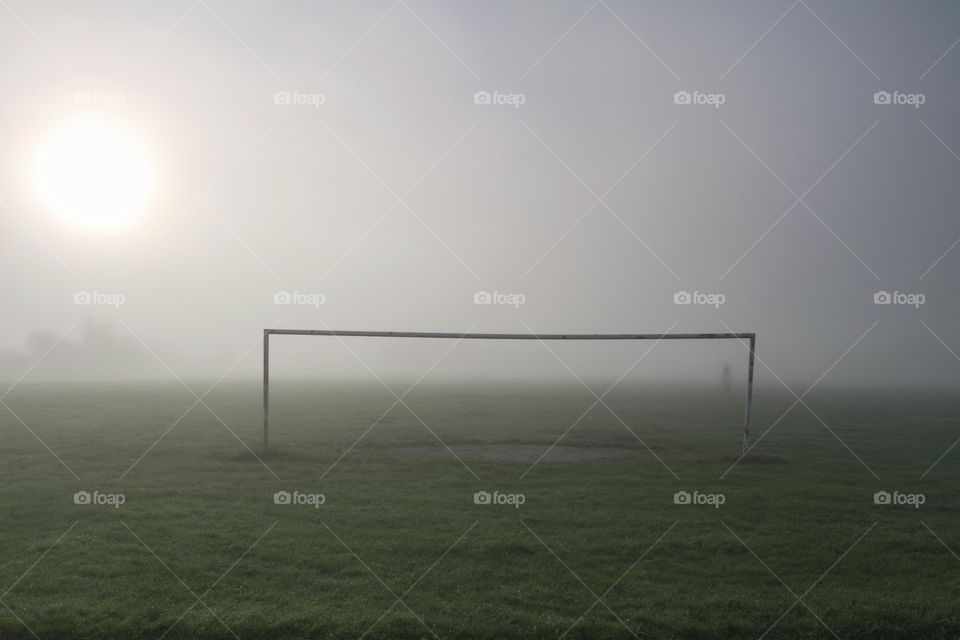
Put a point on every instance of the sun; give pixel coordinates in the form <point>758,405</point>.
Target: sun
<point>93,175</point>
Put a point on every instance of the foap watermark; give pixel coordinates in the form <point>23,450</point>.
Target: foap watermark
<point>499,298</point>
<point>899,98</point>
<point>99,298</point>
<point>899,298</point>
<point>299,498</point>
<point>488,498</point>
<point>700,298</point>
<point>299,98</point>
<point>899,499</point>
<point>85,498</point>
<point>515,100</point>
<point>97,99</point>
<point>699,98</point>
<point>299,298</point>
<point>696,498</point>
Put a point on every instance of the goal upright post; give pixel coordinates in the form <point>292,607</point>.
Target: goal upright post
<point>750,337</point>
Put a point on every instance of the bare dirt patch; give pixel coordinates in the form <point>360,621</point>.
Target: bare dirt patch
<point>513,452</point>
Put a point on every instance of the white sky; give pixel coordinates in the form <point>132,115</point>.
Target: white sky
<point>255,197</point>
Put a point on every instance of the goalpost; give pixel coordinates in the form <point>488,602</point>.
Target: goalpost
<point>750,337</point>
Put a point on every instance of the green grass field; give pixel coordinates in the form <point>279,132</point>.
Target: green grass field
<point>399,549</point>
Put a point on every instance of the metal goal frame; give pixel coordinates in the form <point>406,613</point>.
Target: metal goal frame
<point>751,337</point>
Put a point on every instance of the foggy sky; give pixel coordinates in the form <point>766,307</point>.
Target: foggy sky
<point>256,198</point>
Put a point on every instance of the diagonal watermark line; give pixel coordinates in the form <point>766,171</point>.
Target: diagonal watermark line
<point>757,157</point>
<point>805,405</point>
<point>799,399</point>
<point>798,199</point>
<point>759,239</point>
<point>398,400</point>
<point>157,441</point>
<point>954,154</point>
<point>940,340</point>
<point>757,41</point>
<point>38,439</point>
<point>162,37</point>
<point>799,599</point>
<point>599,199</point>
<point>418,580</point>
<point>38,360</point>
<point>937,61</point>
<point>942,256</point>
<point>441,241</point>
<point>24,574</point>
<point>641,241</point>
<point>21,420</point>
<point>840,40</point>
<point>39,40</point>
<point>196,203</point>
<point>557,157</point>
<point>557,41</point>
<point>598,599</point>
<point>640,40</point>
<point>840,240</point>
<point>37,561</point>
<point>599,400</point>
<point>356,42</point>
<point>957,441</point>
<point>239,39</point>
<point>398,199</point>
<point>19,619</point>
<point>439,39</point>
<point>940,540</point>
<point>620,579</point>
<point>240,240</point>
<point>199,599</point>
<point>439,439</point>
<point>940,140</point>
<point>843,155</point>
<point>36,236</point>
<point>380,580</point>
<point>198,400</point>
<point>825,574</point>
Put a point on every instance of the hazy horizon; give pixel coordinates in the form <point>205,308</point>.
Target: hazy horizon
<point>385,165</point>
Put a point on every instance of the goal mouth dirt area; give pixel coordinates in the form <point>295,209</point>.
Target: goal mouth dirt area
<point>510,453</point>
<point>529,453</point>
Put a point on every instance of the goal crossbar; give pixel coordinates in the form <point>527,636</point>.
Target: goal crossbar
<point>751,338</point>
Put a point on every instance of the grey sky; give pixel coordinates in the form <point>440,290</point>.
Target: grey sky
<point>255,197</point>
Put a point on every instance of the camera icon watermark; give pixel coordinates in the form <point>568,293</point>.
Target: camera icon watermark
<point>699,298</point>
<point>299,98</point>
<point>714,100</point>
<point>514,500</point>
<point>914,100</point>
<point>97,99</point>
<point>515,100</point>
<point>86,498</point>
<point>114,300</point>
<point>696,498</point>
<point>896,498</point>
<point>914,300</point>
<point>299,298</point>
<point>514,300</point>
<point>298,498</point>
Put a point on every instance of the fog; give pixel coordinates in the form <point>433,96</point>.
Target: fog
<point>387,165</point>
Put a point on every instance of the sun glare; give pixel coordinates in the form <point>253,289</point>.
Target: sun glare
<point>93,175</point>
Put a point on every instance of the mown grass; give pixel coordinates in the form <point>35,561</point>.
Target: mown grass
<point>400,550</point>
